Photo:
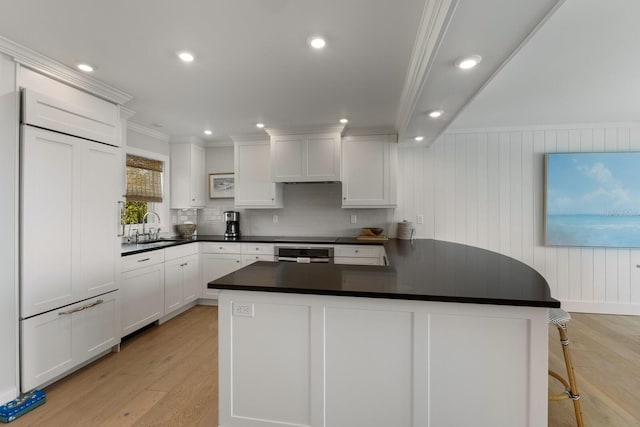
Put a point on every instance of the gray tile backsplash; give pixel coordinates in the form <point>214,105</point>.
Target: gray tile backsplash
<point>309,210</point>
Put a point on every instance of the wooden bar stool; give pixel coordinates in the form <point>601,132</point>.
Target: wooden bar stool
<point>559,317</point>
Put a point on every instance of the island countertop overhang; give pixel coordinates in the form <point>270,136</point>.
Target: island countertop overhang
<point>425,269</point>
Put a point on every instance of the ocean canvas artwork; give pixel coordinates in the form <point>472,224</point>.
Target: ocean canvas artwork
<point>593,199</point>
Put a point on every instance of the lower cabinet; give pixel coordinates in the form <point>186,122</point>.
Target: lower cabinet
<point>181,276</point>
<point>220,259</point>
<point>142,289</point>
<point>215,266</point>
<point>359,254</point>
<point>59,340</point>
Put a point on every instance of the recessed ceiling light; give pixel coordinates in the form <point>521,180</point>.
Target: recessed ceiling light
<point>344,121</point>
<point>317,42</point>
<point>419,138</point>
<point>468,62</point>
<point>186,56</point>
<point>435,114</point>
<point>260,125</point>
<point>208,132</point>
<point>85,67</point>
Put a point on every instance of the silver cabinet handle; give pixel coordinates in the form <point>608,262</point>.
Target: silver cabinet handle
<point>144,259</point>
<point>82,307</point>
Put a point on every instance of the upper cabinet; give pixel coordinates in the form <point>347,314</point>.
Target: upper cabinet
<point>253,186</point>
<point>369,169</point>
<point>306,158</point>
<point>50,104</point>
<point>187,176</point>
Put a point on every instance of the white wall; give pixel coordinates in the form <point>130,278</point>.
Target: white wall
<point>9,230</point>
<point>485,188</point>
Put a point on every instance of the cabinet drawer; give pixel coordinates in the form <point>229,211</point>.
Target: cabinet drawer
<point>143,259</point>
<point>357,260</point>
<point>248,259</point>
<point>257,248</point>
<point>221,248</point>
<point>373,251</point>
<point>180,251</point>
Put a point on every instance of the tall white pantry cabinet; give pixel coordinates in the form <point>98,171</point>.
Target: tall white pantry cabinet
<point>69,304</point>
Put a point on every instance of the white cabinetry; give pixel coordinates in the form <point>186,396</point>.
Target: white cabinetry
<point>142,290</point>
<point>305,158</point>
<point>53,105</point>
<point>187,176</point>
<point>57,341</point>
<point>372,362</point>
<point>220,259</point>
<point>69,194</point>
<point>359,254</point>
<point>253,186</point>
<point>369,169</point>
<point>181,276</point>
<point>253,252</point>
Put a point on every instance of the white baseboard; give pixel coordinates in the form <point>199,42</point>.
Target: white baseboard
<point>207,301</point>
<point>601,308</point>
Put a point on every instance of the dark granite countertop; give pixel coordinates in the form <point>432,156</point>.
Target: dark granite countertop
<point>428,270</point>
<point>136,248</point>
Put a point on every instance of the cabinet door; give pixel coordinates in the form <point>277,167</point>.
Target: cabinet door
<point>69,110</point>
<point>50,213</point>
<point>172,285</point>
<point>98,221</point>
<point>96,328</point>
<point>323,158</point>
<point>142,292</point>
<point>288,155</point>
<point>47,348</point>
<point>215,266</point>
<point>191,289</point>
<point>368,172</point>
<point>253,186</point>
<point>197,176</point>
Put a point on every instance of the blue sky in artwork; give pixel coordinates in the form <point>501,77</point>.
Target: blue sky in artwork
<point>593,184</point>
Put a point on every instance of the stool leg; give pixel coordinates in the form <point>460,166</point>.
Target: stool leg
<point>573,387</point>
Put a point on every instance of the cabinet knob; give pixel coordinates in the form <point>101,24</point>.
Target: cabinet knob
<point>357,251</point>
<point>193,200</point>
<point>237,261</point>
<point>272,199</point>
<point>220,248</point>
<point>344,198</point>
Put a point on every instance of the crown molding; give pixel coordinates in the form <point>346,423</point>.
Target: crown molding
<point>45,65</point>
<point>126,113</point>
<point>435,18</point>
<point>134,127</point>
<point>304,130</point>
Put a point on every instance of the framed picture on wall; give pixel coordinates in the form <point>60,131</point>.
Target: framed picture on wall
<point>221,185</point>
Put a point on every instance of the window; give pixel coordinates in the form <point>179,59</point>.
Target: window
<point>144,186</point>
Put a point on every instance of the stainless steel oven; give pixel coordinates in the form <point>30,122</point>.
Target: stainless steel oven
<point>304,253</point>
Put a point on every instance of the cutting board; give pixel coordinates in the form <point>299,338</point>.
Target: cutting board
<point>378,238</point>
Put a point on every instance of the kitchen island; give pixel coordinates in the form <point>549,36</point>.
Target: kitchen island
<point>446,335</point>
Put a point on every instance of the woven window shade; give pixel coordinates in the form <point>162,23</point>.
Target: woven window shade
<point>144,179</point>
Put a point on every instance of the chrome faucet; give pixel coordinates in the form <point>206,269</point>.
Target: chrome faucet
<point>144,224</point>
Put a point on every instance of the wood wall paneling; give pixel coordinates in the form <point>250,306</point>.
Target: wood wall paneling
<point>486,189</point>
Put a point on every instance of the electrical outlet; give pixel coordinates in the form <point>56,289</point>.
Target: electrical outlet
<point>420,219</point>
<point>243,309</point>
<point>275,219</point>
<point>354,219</point>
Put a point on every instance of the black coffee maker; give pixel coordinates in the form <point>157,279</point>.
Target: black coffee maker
<point>232,218</point>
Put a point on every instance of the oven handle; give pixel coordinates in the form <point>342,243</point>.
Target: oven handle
<point>303,260</point>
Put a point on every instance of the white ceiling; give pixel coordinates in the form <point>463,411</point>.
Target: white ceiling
<point>381,69</point>
<point>581,67</point>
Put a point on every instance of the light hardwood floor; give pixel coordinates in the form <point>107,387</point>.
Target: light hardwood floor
<point>167,376</point>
